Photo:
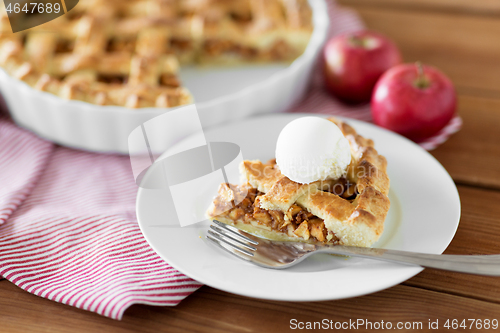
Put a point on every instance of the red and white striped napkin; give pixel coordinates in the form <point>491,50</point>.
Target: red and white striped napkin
<point>70,232</point>
<point>69,229</point>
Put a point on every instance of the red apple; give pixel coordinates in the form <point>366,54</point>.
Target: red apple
<point>413,100</point>
<point>355,61</point>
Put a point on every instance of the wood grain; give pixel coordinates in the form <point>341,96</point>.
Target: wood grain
<point>476,7</point>
<point>209,310</point>
<point>472,156</point>
<point>477,234</point>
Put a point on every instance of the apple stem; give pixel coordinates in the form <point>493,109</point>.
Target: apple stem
<point>421,81</point>
<point>420,69</point>
<point>355,40</point>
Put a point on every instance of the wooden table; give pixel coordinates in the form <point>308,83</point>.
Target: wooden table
<point>462,39</point>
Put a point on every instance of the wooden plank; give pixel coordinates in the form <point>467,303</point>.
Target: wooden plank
<point>478,233</point>
<point>477,7</point>
<point>209,310</point>
<point>472,156</point>
<point>465,47</point>
<point>395,304</point>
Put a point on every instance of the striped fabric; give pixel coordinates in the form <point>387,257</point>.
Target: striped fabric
<point>69,229</point>
<point>71,234</point>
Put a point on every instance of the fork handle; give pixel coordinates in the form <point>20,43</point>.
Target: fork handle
<point>473,264</point>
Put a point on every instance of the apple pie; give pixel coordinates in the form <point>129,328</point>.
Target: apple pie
<point>128,53</point>
<point>350,210</point>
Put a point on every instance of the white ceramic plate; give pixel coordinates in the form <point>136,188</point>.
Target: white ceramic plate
<point>424,215</point>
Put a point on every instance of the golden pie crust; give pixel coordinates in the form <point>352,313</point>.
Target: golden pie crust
<point>348,211</point>
<point>128,53</point>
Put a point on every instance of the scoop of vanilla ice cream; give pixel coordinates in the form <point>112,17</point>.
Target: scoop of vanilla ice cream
<point>311,149</point>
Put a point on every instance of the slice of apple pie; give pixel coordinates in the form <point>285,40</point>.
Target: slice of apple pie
<point>350,210</point>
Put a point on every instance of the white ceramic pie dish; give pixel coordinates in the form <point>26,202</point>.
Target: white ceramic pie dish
<point>230,94</point>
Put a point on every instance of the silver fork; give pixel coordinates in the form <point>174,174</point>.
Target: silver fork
<point>279,255</point>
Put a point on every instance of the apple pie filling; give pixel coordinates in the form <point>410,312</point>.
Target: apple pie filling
<point>295,222</point>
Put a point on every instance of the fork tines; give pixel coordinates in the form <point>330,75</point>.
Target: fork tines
<point>232,240</point>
